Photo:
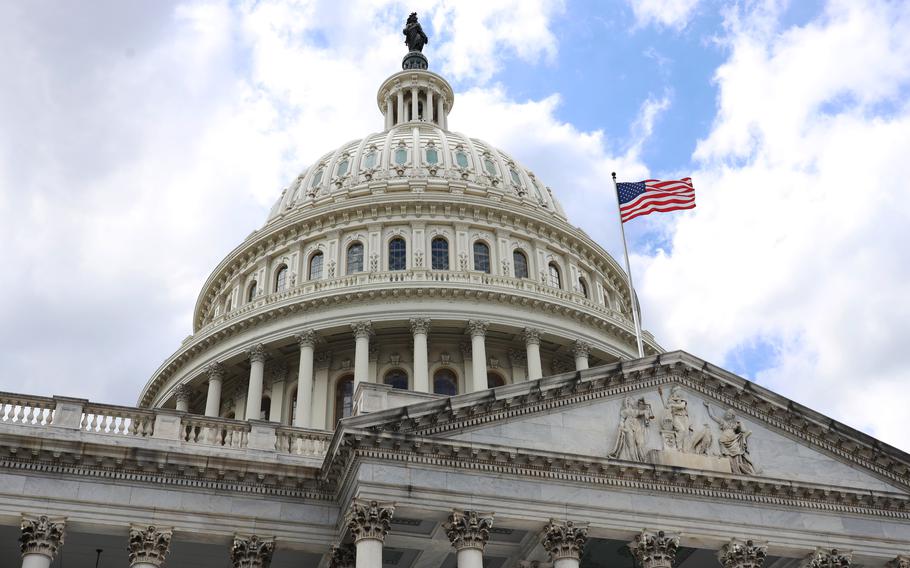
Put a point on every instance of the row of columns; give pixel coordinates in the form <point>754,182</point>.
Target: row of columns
<point>363,332</point>
<point>431,113</point>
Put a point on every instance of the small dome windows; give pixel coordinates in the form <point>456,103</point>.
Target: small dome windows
<point>317,178</point>
<point>251,292</point>
<point>432,156</point>
<point>553,271</point>
<point>281,278</point>
<point>490,167</point>
<point>439,254</point>
<point>398,257</point>
<point>316,261</point>
<point>521,264</point>
<point>401,155</point>
<point>343,167</point>
<point>355,258</point>
<point>516,179</point>
<point>461,159</point>
<point>481,257</point>
<point>369,161</point>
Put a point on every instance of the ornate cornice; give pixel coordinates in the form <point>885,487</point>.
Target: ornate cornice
<point>41,535</point>
<point>252,551</point>
<point>654,549</point>
<point>468,529</point>
<point>477,328</point>
<point>369,519</point>
<point>564,539</point>
<point>149,544</point>
<point>420,325</point>
<point>257,353</point>
<point>343,556</point>
<point>828,558</point>
<point>740,554</point>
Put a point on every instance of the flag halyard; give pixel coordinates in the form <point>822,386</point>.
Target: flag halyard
<point>645,197</point>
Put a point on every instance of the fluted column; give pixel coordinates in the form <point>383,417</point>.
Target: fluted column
<point>654,550</point>
<point>828,558</point>
<point>565,542</point>
<point>478,331</point>
<point>414,103</point>
<point>389,117</point>
<point>148,546</point>
<point>362,331</point>
<point>428,109</point>
<point>440,116</point>
<point>40,539</point>
<point>279,375</point>
<point>740,554</point>
<point>532,345</point>
<point>581,350</point>
<point>182,394</point>
<point>400,106</point>
<point>307,342</point>
<point>254,391</point>
<point>213,396</point>
<point>342,556</point>
<point>468,531</point>
<point>252,551</point>
<point>420,327</point>
<point>369,523</point>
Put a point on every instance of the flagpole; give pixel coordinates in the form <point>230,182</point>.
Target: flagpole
<point>625,248</point>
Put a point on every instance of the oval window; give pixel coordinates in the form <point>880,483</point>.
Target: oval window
<point>317,179</point>
<point>515,179</point>
<point>432,156</point>
<point>488,164</point>
<point>343,167</point>
<point>461,159</point>
<point>370,161</point>
<point>401,156</point>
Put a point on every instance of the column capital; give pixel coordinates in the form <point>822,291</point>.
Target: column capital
<point>420,325</point>
<point>252,551</point>
<point>343,556</point>
<point>183,393</point>
<point>532,336</point>
<point>468,529</point>
<point>257,353</point>
<point>899,561</point>
<point>362,329</point>
<point>307,338</point>
<point>824,558</point>
<point>581,348</point>
<point>654,549</point>
<point>477,328</point>
<point>215,370</point>
<point>149,544</point>
<point>41,535</point>
<point>278,372</point>
<point>742,554</point>
<point>565,539</point>
<point>369,519</point>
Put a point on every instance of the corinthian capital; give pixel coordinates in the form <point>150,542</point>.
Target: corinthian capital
<point>564,539</point>
<point>362,329</point>
<point>257,353</point>
<point>183,393</point>
<point>654,550</point>
<point>823,558</point>
<point>342,556</point>
<point>251,551</point>
<point>41,535</point>
<point>215,370</point>
<point>149,544</point>
<point>580,349</point>
<point>739,554</point>
<point>477,328</point>
<point>369,519</point>
<point>469,529</point>
<point>420,325</point>
<point>306,338</point>
<point>532,336</point>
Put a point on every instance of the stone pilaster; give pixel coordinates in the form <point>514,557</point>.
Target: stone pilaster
<point>469,529</point>
<point>654,549</point>
<point>564,539</point>
<point>739,554</point>
<point>41,535</point>
<point>369,519</point>
<point>148,544</point>
<point>343,556</point>
<point>252,551</point>
<point>824,558</point>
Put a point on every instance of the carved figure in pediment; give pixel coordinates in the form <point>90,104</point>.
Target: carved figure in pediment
<point>634,418</point>
<point>733,441</point>
<point>674,425</point>
<point>701,441</point>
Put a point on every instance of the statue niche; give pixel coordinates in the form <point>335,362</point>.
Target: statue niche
<point>413,34</point>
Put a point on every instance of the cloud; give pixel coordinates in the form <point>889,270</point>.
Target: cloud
<point>797,249</point>
<point>663,13</point>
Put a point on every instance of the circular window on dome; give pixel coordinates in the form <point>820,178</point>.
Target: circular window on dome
<point>369,161</point>
<point>343,167</point>
<point>461,159</point>
<point>432,156</point>
<point>401,156</point>
<point>489,166</point>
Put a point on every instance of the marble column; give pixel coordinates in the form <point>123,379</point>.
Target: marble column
<point>565,542</point>
<point>302,414</point>
<point>40,539</point>
<point>654,549</point>
<point>828,558</point>
<point>420,327</point>
<point>414,99</point>
<point>369,523</point>
<point>251,551</point>
<point>742,554</point>
<point>428,109</point>
<point>389,117</point>
<point>581,350</point>
<point>468,531</point>
<point>254,390</point>
<point>439,114</point>
<point>148,545</point>
<point>343,556</point>
<point>362,331</point>
<point>182,394</point>
<point>532,346</point>
<point>213,396</point>
<point>400,106</point>
<point>478,331</point>
<point>279,376</point>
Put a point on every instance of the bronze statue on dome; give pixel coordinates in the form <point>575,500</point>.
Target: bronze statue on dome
<point>413,34</point>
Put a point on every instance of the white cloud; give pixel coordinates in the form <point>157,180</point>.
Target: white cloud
<point>666,13</point>
<point>799,239</point>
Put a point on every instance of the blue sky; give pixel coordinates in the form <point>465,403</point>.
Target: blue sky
<point>143,141</point>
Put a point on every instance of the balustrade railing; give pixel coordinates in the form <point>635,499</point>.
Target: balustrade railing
<point>214,431</point>
<point>310,443</point>
<point>24,409</point>
<point>118,420</point>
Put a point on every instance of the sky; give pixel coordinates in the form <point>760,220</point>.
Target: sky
<point>141,141</point>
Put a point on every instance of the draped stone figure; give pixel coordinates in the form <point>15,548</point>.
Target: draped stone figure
<point>413,34</point>
<point>634,418</point>
<point>733,441</point>
<point>675,420</point>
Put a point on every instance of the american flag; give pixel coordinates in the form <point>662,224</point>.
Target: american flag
<point>644,197</point>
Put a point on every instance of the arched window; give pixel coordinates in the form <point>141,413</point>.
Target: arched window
<point>495,380</point>
<point>554,275</point>
<point>281,278</point>
<point>481,257</point>
<point>355,258</point>
<point>439,252</point>
<point>445,382</point>
<point>521,264</point>
<point>344,397</point>
<point>398,255</point>
<point>251,292</point>
<point>316,266</point>
<point>583,287</point>
<point>396,378</point>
